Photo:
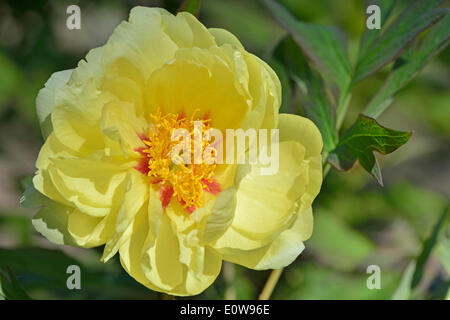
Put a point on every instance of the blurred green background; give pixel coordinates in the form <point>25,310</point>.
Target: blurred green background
<point>357,222</point>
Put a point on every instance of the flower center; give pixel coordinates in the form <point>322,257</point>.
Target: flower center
<point>185,179</point>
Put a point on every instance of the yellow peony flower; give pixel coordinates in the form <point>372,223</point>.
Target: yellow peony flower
<point>105,177</point>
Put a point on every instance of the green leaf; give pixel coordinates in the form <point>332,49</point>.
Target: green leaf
<point>43,273</point>
<point>26,181</point>
<point>49,265</point>
<point>10,288</point>
<point>361,140</point>
<point>370,35</point>
<point>10,79</point>
<point>409,64</point>
<point>322,45</point>
<point>427,248</point>
<point>390,44</point>
<point>19,224</point>
<point>444,250</point>
<point>403,291</point>
<point>191,6</point>
<point>319,283</point>
<point>337,243</point>
<point>317,104</point>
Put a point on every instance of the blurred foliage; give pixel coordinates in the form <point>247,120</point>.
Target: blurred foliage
<point>402,227</point>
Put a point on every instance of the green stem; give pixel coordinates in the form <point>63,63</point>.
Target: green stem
<point>229,276</point>
<point>270,284</point>
<point>342,107</point>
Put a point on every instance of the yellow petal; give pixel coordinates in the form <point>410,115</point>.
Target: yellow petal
<point>222,36</point>
<point>282,251</point>
<point>197,282</point>
<point>45,100</point>
<point>131,249</point>
<point>221,215</point>
<point>119,124</point>
<point>266,204</point>
<point>210,89</point>
<point>75,126</point>
<point>76,114</point>
<point>51,219</point>
<point>134,200</point>
<point>265,91</point>
<point>139,45</point>
<point>303,130</point>
<point>172,264</point>
<point>94,187</point>
<point>161,263</point>
<point>51,149</point>
<point>201,36</point>
<point>88,231</point>
<point>129,91</point>
<point>184,29</point>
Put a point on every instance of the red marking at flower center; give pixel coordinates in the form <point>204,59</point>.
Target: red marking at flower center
<point>212,187</point>
<point>165,194</point>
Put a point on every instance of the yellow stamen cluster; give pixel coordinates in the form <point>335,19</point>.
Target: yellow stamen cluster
<point>187,179</point>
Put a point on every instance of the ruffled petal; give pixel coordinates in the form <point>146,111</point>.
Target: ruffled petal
<point>302,130</point>
<point>172,264</point>
<point>51,219</point>
<point>78,106</point>
<point>45,100</point>
<point>222,36</point>
<point>135,199</point>
<point>94,187</point>
<point>282,251</point>
<point>221,215</point>
<point>120,124</point>
<point>266,204</point>
<point>210,89</point>
<point>139,46</point>
<point>89,231</point>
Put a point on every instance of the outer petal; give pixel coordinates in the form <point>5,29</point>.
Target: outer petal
<point>66,225</point>
<point>138,46</point>
<point>78,106</point>
<point>94,187</point>
<point>265,91</point>
<point>135,199</point>
<point>282,251</point>
<point>261,83</point>
<point>51,219</point>
<point>88,231</point>
<point>266,203</point>
<point>304,131</point>
<point>222,36</point>
<point>164,260</point>
<point>45,100</point>
<point>267,206</point>
<point>170,264</point>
